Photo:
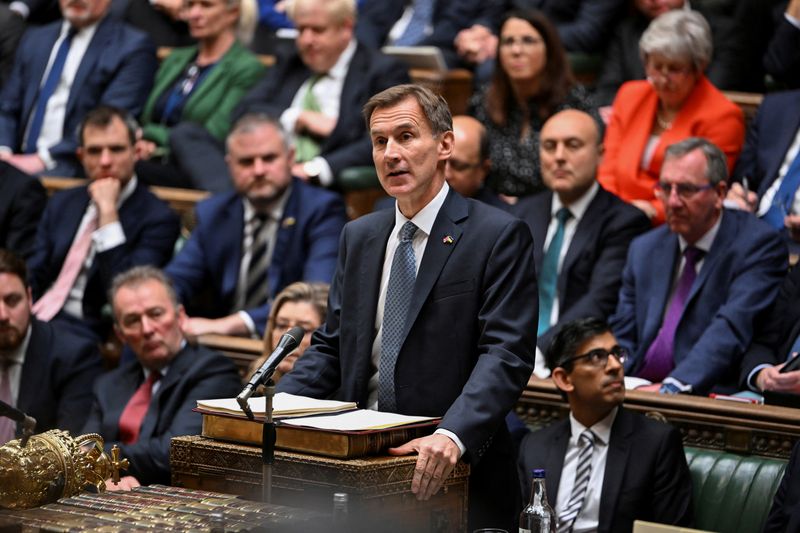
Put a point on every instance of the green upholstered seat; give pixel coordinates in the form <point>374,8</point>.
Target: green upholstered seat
<point>358,178</point>
<point>732,493</point>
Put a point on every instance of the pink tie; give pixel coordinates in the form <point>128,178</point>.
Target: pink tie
<point>7,426</point>
<point>53,300</point>
<point>130,421</point>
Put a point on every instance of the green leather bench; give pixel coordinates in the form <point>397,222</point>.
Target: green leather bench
<point>732,493</point>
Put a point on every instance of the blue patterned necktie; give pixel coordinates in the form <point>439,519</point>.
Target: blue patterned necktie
<point>46,91</point>
<point>421,19</point>
<point>395,310</point>
<point>784,198</point>
<point>548,276</point>
<point>583,472</point>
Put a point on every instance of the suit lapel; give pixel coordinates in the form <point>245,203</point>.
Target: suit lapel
<point>785,124</point>
<point>349,102</point>
<point>540,216</point>
<point>554,462</point>
<point>35,363</point>
<point>98,44</point>
<point>721,242</point>
<point>283,236</point>
<point>453,211</point>
<point>663,257</point>
<point>580,239</point>
<point>230,250</point>
<point>38,66</point>
<point>370,271</point>
<point>177,369</point>
<point>616,463</point>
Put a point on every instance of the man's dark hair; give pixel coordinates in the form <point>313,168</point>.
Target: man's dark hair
<point>101,117</point>
<point>11,263</point>
<point>570,337</point>
<point>433,105</point>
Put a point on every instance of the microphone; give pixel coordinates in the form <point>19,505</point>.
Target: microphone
<point>28,422</point>
<point>289,341</point>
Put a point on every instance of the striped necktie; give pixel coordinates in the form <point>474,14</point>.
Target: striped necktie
<point>583,472</point>
<point>256,288</point>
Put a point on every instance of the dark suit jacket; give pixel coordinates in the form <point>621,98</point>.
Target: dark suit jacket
<point>196,373</point>
<point>57,378</point>
<point>150,228</point>
<point>777,332</point>
<point>784,516</point>
<point>584,25</point>
<point>768,139</point>
<point>22,201</point>
<point>468,348</point>
<point>348,145</point>
<point>590,277</point>
<point>646,475</point>
<point>782,58</point>
<point>117,69</point>
<point>305,248</point>
<point>737,283</point>
<point>376,18</point>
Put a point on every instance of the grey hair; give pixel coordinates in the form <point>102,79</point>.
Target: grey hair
<point>716,162</point>
<point>679,34</point>
<point>138,275</point>
<point>433,105</point>
<point>249,122</point>
<point>339,10</point>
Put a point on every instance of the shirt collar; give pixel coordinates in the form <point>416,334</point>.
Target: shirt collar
<point>579,206</point>
<point>426,216</point>
<point>704,243</point>
<point>17,356</point>
<point>342,65</point>
<point>275,211</point>
<point>88,30</point>
<point>601,429</point>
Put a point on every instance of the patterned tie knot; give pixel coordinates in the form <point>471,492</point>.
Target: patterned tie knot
<point>587,438</point>
<point>407,231</point>
<point>563,215</point>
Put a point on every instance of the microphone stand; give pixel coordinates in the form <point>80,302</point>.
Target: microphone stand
<point>28,422</point>
<point>268,437</point>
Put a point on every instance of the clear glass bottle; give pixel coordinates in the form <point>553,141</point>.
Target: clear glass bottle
<point>538,516</point>
<point>341,519</point>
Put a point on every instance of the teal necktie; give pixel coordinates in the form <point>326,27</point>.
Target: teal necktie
<point>548,276</point>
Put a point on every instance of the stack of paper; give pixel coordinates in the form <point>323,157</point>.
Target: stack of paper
<point>283,405</point>
<point>360,420</point>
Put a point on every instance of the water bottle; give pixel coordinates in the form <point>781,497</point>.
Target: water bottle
<point>341,518</point>
<point>538,516</point>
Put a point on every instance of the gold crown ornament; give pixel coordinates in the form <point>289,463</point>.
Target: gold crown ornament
<point>53,465</point>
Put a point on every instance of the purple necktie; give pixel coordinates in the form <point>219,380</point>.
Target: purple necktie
<point>659,360</point>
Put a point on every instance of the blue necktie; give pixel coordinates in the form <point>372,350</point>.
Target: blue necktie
<point>420,20</point>
<point>46,91</point>
<point>548,276</point>
<point>784,198</point>
<point>395,310</point>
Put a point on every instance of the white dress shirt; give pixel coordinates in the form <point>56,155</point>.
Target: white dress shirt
<point>328,93</point>
<point>769,194</point>
<point>589,515</point>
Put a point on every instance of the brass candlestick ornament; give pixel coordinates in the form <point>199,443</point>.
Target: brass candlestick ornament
<point>53,465</point>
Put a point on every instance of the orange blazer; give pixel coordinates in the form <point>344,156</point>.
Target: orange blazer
<point>706,113</point>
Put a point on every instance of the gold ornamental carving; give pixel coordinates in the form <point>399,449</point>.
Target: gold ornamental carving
<point>53,465</point>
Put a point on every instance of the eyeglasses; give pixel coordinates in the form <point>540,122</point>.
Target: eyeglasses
<point>526,41</point>
<point>599,357</point>
<point>668,70</point>
<point>683,190</point>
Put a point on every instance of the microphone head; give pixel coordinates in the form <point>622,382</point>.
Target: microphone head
<point>295,335</point>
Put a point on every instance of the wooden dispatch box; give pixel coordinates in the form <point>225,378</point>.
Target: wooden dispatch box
<point>378,488</point>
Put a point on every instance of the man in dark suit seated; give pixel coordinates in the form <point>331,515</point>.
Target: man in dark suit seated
<point>694,288</point>
<point>606,466</point>
<point>770,165</point>
<point>578,259</point>
<point>250,243</point>
<point>432,310</point>
<point>784,516</point>
<point>148,400</point>
<point>89,234</point>
<point>45,371</point>
<point>777,340</point>
<point>22,201</point>
<point>61,71</point>
<point>319,89</point>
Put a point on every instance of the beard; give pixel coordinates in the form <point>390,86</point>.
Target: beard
<point>10,337</point>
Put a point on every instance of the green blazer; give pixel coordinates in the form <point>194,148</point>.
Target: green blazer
<point>212,101</point>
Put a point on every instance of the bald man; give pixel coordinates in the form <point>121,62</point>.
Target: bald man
<point>585,263</point>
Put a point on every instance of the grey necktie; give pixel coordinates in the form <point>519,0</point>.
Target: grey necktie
<point>256,289</point>
<point>395,310</point>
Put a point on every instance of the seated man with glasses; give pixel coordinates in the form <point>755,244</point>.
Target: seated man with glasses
<point>694,289</point>
<point>606,466</point>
